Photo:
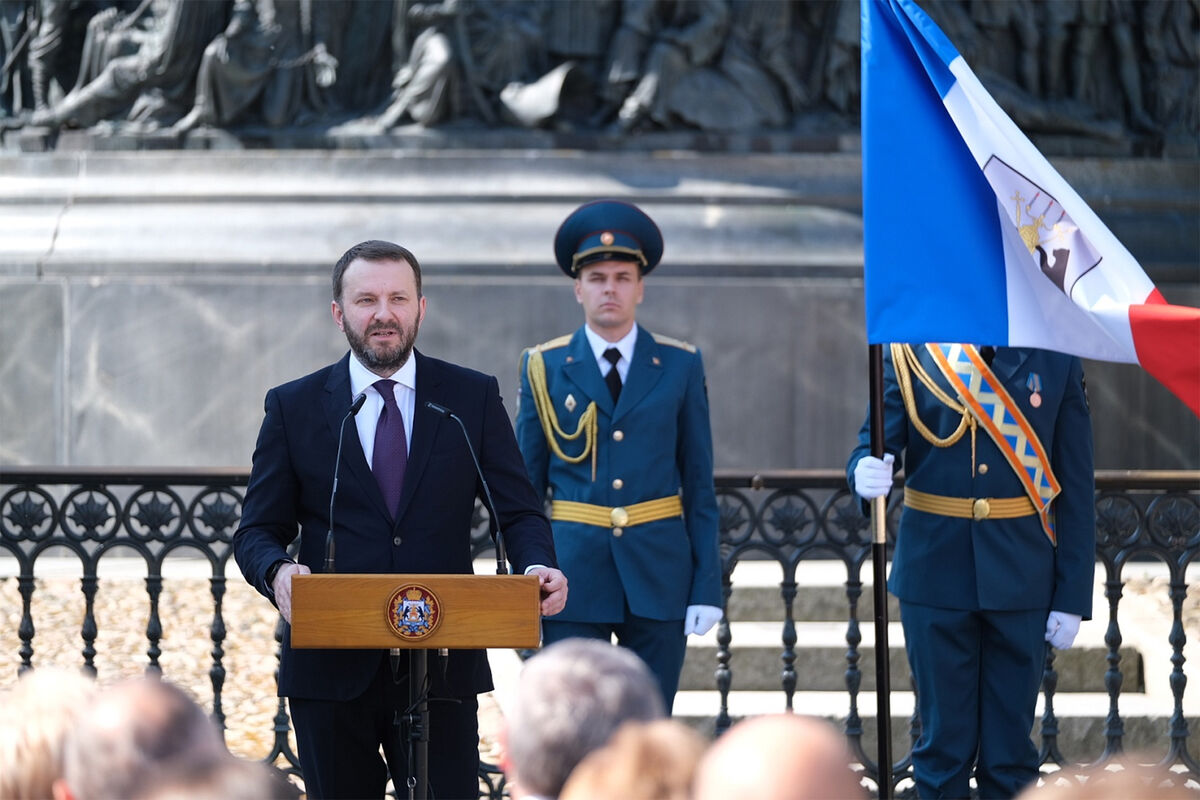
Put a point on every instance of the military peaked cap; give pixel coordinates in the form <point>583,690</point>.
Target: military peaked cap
<point>607,230</point>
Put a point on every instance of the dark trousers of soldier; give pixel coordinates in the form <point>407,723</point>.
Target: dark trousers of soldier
<point>977,675</point>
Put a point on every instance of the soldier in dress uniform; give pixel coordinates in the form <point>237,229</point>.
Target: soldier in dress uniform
<point>613,422</point>
<point>996,550</point>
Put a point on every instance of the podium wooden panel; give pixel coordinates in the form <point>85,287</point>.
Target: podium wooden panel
<point>477,611</point>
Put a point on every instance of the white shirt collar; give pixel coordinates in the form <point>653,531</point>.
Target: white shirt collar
<point>362,378</point>
<point>624,344</point>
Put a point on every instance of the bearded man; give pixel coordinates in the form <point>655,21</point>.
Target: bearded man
<point>404,505</point>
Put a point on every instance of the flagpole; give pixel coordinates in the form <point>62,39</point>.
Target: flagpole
<point>883,713</point>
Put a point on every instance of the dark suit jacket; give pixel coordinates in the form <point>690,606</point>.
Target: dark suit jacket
<point>289,490</point>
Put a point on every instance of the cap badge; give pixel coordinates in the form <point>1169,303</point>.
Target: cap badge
<point>606,238</point>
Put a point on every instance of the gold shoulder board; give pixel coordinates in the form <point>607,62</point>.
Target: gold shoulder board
<point>669,342</point>
<point>553,344</point>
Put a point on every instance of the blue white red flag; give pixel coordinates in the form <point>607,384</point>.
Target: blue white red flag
<point>970,235</point>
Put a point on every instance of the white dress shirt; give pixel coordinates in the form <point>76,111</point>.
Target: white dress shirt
<point>405,378</point>
<point>625,345</point>
<point>361,380</point>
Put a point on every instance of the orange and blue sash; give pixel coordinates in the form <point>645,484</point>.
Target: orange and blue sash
<point>994,408</point>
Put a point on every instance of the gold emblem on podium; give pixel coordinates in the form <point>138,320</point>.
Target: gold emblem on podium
<point>413,612</point>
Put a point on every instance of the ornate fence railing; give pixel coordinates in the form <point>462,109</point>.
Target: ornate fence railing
<point>785,517</point>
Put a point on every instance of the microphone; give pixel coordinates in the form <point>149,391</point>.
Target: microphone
<point>497,535</point>
<point>337,462</point>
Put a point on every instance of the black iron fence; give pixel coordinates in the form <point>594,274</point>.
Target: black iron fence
<point>785,517</point>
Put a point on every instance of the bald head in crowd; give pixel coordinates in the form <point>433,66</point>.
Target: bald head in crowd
<point>132,733</point>
<point>778,757</point>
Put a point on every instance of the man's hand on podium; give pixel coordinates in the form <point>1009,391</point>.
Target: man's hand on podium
<point>282,586</point>
<point>554,589</point>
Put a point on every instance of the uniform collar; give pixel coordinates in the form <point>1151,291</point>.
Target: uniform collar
<point>625,344</point>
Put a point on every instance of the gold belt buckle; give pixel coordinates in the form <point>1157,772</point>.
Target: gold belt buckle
<point>619,517</point>
<point>981,508</point>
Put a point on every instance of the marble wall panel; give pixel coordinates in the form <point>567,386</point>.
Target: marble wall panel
<point>776,399</point>
<point>32,382</point>
<point>177,237</point>
<point>783,392</point>
<point>27,235</point>
<point>172,372</point>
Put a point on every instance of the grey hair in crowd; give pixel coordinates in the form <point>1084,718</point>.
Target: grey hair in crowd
<point>570,699</point>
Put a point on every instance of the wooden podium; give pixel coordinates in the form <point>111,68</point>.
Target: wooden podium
<point>342,611</point>
<point>416,613</point>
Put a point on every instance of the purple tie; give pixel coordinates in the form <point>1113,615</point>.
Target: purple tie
<point>391,448</point>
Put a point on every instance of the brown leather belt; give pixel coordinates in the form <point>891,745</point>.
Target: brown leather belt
<point>976,508</point>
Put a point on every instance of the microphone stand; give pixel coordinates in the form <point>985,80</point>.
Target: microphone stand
<point>415,720</point>
<point>494,523</point>
<point>337,463</point>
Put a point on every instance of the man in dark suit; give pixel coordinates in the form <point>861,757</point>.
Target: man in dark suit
<point>996,550</point>
<point>613,421</point>
<point>404,505</point>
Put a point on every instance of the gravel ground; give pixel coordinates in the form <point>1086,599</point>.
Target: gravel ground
<point>248,695</point>
<point>185,610</point>
<point>1159,591</point>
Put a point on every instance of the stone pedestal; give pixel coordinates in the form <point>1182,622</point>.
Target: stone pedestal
<point>149,299</point>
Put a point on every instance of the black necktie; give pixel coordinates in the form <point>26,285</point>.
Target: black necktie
<point>613,378</point>
<point>988,353</point>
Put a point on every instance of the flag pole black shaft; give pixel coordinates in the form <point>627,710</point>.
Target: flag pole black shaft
<point>883,714</point>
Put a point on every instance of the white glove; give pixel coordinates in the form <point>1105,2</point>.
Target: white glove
<point>1061,628</point>
<point>699,619</point>
<point>873,476</point>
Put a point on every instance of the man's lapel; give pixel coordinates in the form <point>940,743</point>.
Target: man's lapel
<point>424,428</point>
<point>1008,363</point>
<point>337,404</point>
<point>580,367</point>
<point>644,372</point>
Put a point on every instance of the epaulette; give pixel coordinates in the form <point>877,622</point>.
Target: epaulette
<point>669,342</point>
<point>553,344</point>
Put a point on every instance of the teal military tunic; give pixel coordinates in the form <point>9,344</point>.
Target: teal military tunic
<point>654,444</point>
<point>1001,564</point>
<point>975,593</point>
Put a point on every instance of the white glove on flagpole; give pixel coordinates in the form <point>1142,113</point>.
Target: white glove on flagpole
<point>699,619</point>
<point>873,476</point>
<point>1061,629</point>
